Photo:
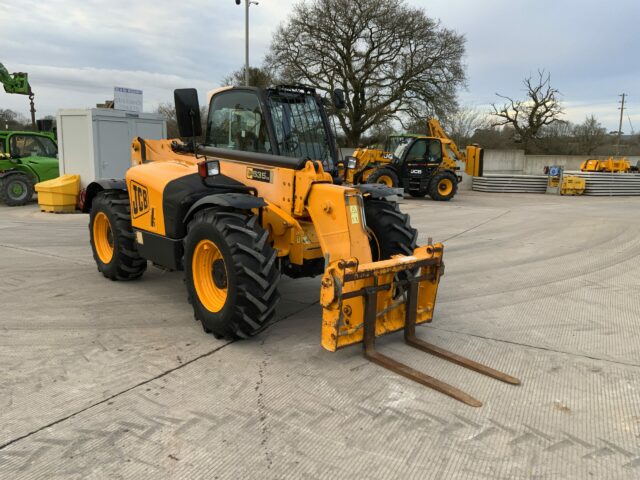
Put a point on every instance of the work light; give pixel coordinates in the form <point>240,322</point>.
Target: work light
<point>209,168</point>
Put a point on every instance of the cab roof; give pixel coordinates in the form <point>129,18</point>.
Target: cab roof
<point>6,133</point>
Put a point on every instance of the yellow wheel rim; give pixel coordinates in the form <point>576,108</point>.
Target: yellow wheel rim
<point>209,275</point>
<point>386,180</point>
<point>103,237</point>
<point>445,186</point>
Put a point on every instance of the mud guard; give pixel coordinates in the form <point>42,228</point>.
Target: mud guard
<point>378,191</point>
<point>243,201</point>
<point>86,197</point>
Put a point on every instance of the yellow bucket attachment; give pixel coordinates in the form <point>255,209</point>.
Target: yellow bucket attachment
<point>361,302</point>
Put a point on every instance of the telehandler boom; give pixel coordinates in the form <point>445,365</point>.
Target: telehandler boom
<point>18,83</point>
<point>256,200</point>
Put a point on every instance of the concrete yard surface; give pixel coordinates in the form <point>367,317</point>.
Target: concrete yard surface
<point>108,380</point>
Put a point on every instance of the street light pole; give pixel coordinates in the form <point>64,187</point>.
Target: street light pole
<point>247,4</point>
<point>246,42</point>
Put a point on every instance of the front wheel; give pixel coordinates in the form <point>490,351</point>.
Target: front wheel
<point>443,186</point>
<point>16,189</point>
<point>386,176</point>
<point>231,273</point>
<point>112,237</point>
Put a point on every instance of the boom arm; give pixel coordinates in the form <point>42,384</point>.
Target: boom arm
<point>18,83</point>
<point>15,82</point>
<point>471,157</point>
<point>435,130</point>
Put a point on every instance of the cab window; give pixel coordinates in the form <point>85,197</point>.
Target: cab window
<point>236,122</point>
<point>418,151</point>
<point>32,146</point>
<point>434,153</point>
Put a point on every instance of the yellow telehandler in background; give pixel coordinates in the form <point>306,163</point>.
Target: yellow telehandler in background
<point>256,201</point>
<point>421,164</point>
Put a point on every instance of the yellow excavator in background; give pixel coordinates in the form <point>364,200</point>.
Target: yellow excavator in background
<point>422,164</point>
<point>256,201</point>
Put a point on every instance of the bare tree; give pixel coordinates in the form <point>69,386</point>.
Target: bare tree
<point>460,125</point>
<point>10,120</point>
<point>394,62</point>
<point>258,77</point>
<point>528,117</point>
<point>556,138</point>
<point>464,123</point>
<point>590,135</point>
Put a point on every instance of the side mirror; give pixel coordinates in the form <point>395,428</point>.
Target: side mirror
<point>187,112</point>
<point>338,99</point>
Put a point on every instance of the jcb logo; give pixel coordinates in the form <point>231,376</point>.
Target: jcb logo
<point>259,174</point>
<point>139,200</point>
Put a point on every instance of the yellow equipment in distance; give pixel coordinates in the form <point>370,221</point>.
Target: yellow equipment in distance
<point>406,162</point>
<point>612,165</point>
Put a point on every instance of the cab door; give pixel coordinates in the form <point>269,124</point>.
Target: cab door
<point>419,161</point>
<point>37,153</point>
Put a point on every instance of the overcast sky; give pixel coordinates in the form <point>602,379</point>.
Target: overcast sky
<point>76,51</point>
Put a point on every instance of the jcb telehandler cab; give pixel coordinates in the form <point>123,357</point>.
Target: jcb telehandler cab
<point>255,201</point>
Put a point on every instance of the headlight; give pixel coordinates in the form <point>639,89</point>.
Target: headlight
<point>351,162</point>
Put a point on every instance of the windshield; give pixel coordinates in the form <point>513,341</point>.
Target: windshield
<point>299,127</point>
<point>32,145</point>
<point>397,145</point>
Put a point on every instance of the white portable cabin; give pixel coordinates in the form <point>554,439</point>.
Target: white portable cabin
<point>96,142</point>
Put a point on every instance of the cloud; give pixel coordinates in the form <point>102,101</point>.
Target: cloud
<point>76,51</point>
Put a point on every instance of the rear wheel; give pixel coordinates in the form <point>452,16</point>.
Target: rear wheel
<point>112,238</point>
<point>390,231</point>
<point>16,189</point>
<point>231,273</point>
<point>386,176</point>
<point>443,186</point>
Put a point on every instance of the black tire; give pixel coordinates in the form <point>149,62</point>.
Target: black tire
<point>379,174</point>
<point>391,232</point>
<point>417,193</point>
<point>443,186</point>
<point>250,274</point>
<point>125,263</point>
<point>9,186</point>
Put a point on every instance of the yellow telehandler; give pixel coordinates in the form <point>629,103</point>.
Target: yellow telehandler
<point>421,164</point>
<point>256,200</point>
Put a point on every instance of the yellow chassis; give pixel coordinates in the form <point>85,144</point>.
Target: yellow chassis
<point>309,217</point>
